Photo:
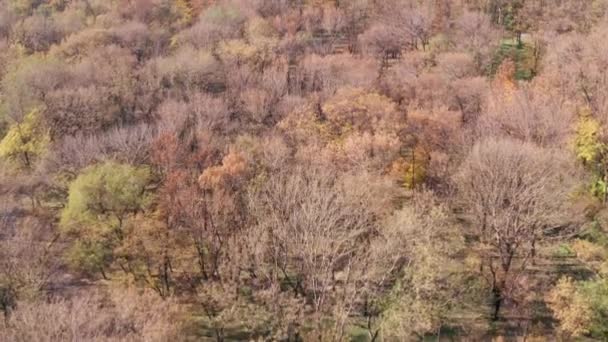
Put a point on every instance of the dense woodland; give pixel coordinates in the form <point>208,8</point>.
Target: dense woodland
<point>303,170</point>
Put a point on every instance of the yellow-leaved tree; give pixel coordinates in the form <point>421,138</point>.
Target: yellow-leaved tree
<point>185,10</point>
<point>590,150</point>
<point>25,141</point>
<point>571,309</point>
<point>587,141</point>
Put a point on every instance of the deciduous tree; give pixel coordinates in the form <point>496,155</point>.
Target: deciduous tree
<point>515,194</point>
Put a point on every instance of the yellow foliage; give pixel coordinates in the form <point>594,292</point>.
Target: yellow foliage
<point>361,110</point>
<point>412,169</point>
<point>233,166</point>
<point>260,33</point>
<point>587,139</point>
<point>237,50</point>
<point>589,252</point>
<point>574,313</point>
<point>25,141</point>
<point>504,80</point>
<point>184,7</point>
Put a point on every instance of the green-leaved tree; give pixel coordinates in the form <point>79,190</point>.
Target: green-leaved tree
<point>101,199</point>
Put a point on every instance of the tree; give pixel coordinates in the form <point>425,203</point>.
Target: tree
<point>528,114</point>
<point>474,33</point>
<point>383,43</point>
<point>186,71</point>
<point>28,262</point>
<point>570,308</point>
<point>419,26</point>
<point>357,109</point>
<point>121,314</point>
<point>590,149</point>
<point>410,20</point>
<point>100,92</point>
<point>27,83</point>
<point>456,65</point>
<point>416,249</point>
<point>37,33</point>
<point>470,96</point>
<point>130,145</point>
<point>24,7</point>
<point>412,169</point>
<point>587,143</point>
<point>185,10</point>
<point>515,194</point>
<point>218,22</point>
<point>324,75</point>
<point>25,141</point>
<point>354,16</point>
<point>581,306</point>
<point>101,200</point>
<point>314,233</point>
<point>7,18</point>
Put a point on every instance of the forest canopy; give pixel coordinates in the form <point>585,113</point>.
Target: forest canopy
<point>303,170</point>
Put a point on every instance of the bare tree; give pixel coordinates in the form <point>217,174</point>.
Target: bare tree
<point>29,252</point>
<point>122,315</point>
<point>130,144</point>
<point>383,42</point>
<point>516,195</point>
<point>316,231</point>
<point>531,114</point>
<point>475,33</point>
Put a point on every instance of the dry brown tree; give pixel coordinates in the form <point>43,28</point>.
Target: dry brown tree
<point>316,229</point>
<point>120,315</point>
<point>531,114</point>
<point>515,195</point>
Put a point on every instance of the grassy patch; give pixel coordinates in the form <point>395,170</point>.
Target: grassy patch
<point>595,234</point>
<point>563,250</point>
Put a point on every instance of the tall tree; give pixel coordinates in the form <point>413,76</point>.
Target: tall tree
<point>515,195</point>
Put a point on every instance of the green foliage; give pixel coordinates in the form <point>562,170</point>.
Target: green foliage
<point>513,19</point>
<point>25,141</point>
<point>89,256</point>
<point>599,187</point>
<point>582,306</point>
<point>427,289</point>
<point>104,194</point>
<point>284,86</point>
<point>595,292</point>
<point>523,55</point>
<point>100,200</point>
<point>595,234</point>
<point>563,251</point>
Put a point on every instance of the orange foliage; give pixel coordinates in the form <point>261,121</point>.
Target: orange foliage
<point>234,165</point>
<point>504,80</point>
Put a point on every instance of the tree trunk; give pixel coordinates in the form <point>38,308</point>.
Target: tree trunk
<point>497,303</point>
